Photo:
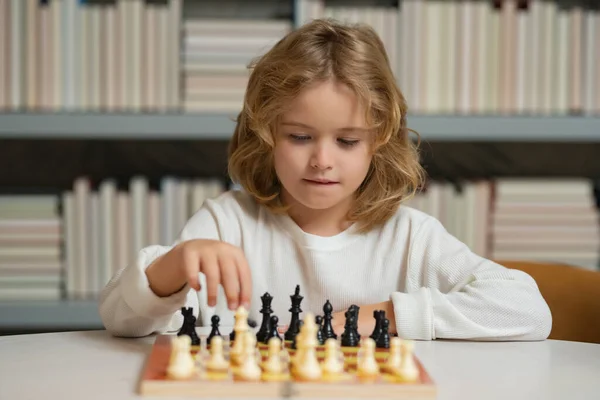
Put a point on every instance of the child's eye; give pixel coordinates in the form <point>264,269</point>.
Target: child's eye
<point>348,142</point>
<point>299,137</point>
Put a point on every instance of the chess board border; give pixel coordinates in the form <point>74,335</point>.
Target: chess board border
<point>154,383</point>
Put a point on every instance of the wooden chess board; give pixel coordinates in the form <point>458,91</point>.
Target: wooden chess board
<point>154,380</point>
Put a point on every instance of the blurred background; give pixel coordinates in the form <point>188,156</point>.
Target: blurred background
<point>115,118</point>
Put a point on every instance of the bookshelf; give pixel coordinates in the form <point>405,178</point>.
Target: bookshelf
<point>39,315</point>
<point>492,128</point>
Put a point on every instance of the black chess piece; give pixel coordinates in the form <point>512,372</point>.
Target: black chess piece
<point>214,323</point>
<point>189,325</point>
<point>327,329</point>
<point>294,328</point>
<point>349,337</point>
<point>293,345</point>
<point>383,341</point>
<point>354,309</point>
<point>272,329</point>
<point>265,328</point>
<point>379,316</point>
<point>319,322</point>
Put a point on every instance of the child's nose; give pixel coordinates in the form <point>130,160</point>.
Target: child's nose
<point>322,157</point>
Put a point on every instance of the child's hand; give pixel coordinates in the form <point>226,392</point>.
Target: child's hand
<point>221,263</point>
<point>366,321</point>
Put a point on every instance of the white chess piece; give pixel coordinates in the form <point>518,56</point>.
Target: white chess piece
<point>181,362</point>
<point>240,327</point>
<point>408,370</point>
<point>274,362</point>
<point>367,366</point>
<point>217,361</point>
<point>249,370</point>
<point>333,364</point>
<point>394,359</point>
<point>306,363</point>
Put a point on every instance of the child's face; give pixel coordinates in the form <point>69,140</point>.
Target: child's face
<point>322,152</point>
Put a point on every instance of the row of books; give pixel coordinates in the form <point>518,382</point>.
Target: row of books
<point>472,57</point>
<point>69,246</point>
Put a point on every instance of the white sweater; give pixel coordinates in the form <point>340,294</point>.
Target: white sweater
<point>439,288</point>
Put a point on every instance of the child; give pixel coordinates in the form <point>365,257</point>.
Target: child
<point>322,152</point>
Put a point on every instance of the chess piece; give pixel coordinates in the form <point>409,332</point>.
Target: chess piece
<point>274,368</point>
<point>350,337</point>
<point>366,366</point>
<point>181,363</point>
<point>240,327</point>
<point>265,328</point>
<point>353,310</point>
<point>394,359</point>
<point>295,309</point>
<point>249,370</point>
<point>273,332</point>
<point>383,341</point>
<point>377,315</point>
<point>295,340</point>
<point>214,322</point>
<point>333,363</point>
<point>217,361</point>
<point>408,370</point>
<point>189,326</point>
<point>319,322</point>
<point>327,329</point>
<point>306,366</point>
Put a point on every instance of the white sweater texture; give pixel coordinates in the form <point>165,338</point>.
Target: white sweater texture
<point>440,289</point>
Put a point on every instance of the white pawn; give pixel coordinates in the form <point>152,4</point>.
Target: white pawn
<point>306,364</point>
<point>240,327</point>
<point>249,370</point>
<point>394,359</point>
<point>408,370</point>
<point>274,364</point>
<point>181,362</point>
<point>217,361</point>
<point>367,367</point>
<point>333,364</point>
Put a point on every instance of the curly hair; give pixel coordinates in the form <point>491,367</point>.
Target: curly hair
<point>315,52</point>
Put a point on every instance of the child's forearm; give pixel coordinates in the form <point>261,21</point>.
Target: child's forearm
<point>165,277</point>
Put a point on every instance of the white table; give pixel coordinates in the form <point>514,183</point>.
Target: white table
<point>93,365</point>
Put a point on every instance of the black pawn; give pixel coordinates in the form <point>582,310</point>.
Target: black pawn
<point>265,328</point>
<point>327,329</point>
<point>273,329</point>
<point>319,322</point>
<point>383,342</point>
<point>189,325</point>
<point>214,323</point>
<point>349,337</point>
<point>294,328</point>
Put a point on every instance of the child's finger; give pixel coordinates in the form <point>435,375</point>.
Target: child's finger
<point>245,279</point>
<point>191,267</point>
<point>229,281</point>
<point>210,268</point>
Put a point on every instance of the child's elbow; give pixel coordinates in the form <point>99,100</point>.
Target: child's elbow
<point>539,317</point>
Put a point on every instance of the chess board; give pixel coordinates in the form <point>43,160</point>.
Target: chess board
<point>154,380</point>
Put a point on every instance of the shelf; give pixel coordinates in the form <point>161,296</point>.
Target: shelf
<point>221,125</point>
<point>40,315</point>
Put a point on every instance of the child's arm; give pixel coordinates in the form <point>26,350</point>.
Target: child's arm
<point>453,293</point>
<point>136,303</point>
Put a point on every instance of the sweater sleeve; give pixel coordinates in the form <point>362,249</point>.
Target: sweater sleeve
<point>452,293</point>
<point>127,305</point>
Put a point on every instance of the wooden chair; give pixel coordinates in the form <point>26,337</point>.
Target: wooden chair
<point>573,295</point>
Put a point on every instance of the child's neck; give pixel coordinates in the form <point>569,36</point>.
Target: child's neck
<point>328,222</point>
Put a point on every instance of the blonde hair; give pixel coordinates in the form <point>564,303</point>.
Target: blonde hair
<point>318,51</point>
